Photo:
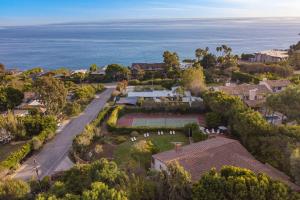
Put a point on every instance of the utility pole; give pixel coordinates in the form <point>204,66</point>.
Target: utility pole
<point>36,169</point>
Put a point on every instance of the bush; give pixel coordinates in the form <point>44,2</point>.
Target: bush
<point>14,159</point>
<point>213,120</point>
<point>260,68</point>
<point>134,134</point>
<point>113,118</point>
<point>194,131</point>
<point>36,143</point>
<point>120,139</point>
<point>244,77</point>
<point>72,109</point>
<point>14,190</point>
<point>91,131</point>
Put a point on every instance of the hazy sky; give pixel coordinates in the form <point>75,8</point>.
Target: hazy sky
<point>20,12</point>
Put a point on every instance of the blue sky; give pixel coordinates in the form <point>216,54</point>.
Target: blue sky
<point>21,12</point>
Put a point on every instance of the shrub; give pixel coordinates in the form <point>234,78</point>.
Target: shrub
<point>213,120</point>
<point>134,134</point>
<point>36,143</point>
<point>113,118</point>
<point>244,77</point>
<point>14,190</point>
<point>120,139</point>
<point>72,109</point>
<point>91,131</point>
<point>98,148</point>
<point>194,131</point>
<point>13,160</point>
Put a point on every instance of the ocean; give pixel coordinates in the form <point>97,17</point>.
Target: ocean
<point>77,45</point>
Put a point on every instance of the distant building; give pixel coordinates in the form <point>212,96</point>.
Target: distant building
<point>83,71</point>
<point>199,158</point>
<point>147,67</point>
<point>253,95</point>
<point>270,56</point>
<point>275,85</point>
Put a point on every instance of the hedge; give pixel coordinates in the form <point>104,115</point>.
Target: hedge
<point>244,77</point>
<point>84,139</point>
<point>16,157</point>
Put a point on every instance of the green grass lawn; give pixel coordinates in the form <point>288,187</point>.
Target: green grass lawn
<point>6,149</point>
<point>122,152</point>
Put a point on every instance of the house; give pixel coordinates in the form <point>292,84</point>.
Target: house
<point>98,75</point>
<point>275,85</point>
<point>147,67</point>
<point>199,158</point>
<point>270,56</point>
<point>83,71</point>
<point>253,95</point>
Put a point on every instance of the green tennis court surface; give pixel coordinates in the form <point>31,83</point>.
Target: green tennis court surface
<point>163,122</point>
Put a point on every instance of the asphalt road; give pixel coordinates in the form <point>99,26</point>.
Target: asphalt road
<point>56,151</point>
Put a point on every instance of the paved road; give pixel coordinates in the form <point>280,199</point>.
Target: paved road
<point>56,151</point>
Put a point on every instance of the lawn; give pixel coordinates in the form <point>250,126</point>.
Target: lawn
<point>6,149</point>
<point>164,143</point>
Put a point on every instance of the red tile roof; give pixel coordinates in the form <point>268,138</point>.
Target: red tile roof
<point>199,158</point>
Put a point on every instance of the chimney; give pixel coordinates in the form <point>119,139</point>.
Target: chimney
<point>252,94</point>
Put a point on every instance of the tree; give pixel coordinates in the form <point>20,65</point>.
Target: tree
<point>172,64</point>
<point>14,190</point>
<point>286,102</point>
<point>93,67</point>
<point>173,183</point>
<point>193,79</point>
<point>171,59</point>
<point>115,72</point>
<point>10,98</point>
<point>209,61</point>
<point>102,191</point>
<point>52,94</point>
<point>200,53</point>
<point>239,183</point>
<point>213,120</point>
<point>2,68</point>
<point>295,164</point>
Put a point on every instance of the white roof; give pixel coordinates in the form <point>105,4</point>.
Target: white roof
<point>34,103</point>
<point>79,71</point>
<point>275,53</point>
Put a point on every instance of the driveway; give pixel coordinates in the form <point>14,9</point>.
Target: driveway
<point>55,153</point>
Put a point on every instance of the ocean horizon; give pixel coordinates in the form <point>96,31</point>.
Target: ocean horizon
<point>78,45</point>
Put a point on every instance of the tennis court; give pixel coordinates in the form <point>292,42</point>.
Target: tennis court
<point>163,122</point>
<point>159,120</point>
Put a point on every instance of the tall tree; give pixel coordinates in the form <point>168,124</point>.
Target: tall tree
<point>171,59</point>
<point>286,102</point>
<point>193,79</point>
<point>174,183</point>
<point>200,53</point>
<point>2,68</point>
<point>52,93</point>
<point>93,67</point>
<point>209,61</point>
<point>10,98</point>
<point>116,72</point>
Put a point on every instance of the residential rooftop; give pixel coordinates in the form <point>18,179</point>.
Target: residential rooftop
<point>199,158</point>
<point>275,53</point>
